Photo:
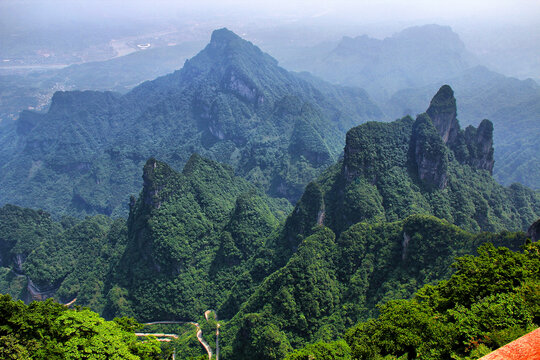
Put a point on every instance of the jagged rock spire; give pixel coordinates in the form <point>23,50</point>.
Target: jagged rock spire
<point>443,113</point>
<point>472,146</point>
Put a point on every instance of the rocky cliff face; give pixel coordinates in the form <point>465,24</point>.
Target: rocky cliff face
<point>472,146</point>
<point>442,112</point>
<point>430,153</point>
<point>534,231</point>
<point>155,175</point>
<point>480,146</point>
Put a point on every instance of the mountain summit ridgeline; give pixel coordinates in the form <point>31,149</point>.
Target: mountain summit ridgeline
<point>428,165</point>
<point>231,102</point>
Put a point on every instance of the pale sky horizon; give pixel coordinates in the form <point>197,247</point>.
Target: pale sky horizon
<point>502,11</point>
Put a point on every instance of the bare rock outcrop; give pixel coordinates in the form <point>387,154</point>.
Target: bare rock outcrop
<point>534,231</point>
<point>430,153</point>
<point>443,113</point>
<point>472,146</point>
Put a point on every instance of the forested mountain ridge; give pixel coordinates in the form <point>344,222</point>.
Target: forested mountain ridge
<point>428,165</point>
<point>231,102</point>
<point>204,239</point>
<point>342,250</point>
<point>332,282</point>
<point>189,236</point>
<point>401,73</point>
<point>192,242</point>
<point>206,220</point>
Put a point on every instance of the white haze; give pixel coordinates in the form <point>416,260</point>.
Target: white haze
<point>504,32</point>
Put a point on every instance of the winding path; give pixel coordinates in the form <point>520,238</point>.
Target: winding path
<point>160,337</point>
<point>70,303</point>
<point>202,341</point>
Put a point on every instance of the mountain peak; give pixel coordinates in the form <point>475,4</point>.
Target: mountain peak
<point>474,146</point>
<point>155,176</point>
<point>442,111</point>
<point>197,164</point>
<point>231,57</point>
<point>223,35</point>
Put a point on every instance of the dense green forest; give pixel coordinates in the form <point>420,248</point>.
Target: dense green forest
<point>366,252</point>
<point>331,283</point>
<point>231,103</point>
<point>189,234</point>
<point>190,239</point>
<point>492,299</point>
<point>48,330</point>
<point>338,295</point>
<point>206,239</point>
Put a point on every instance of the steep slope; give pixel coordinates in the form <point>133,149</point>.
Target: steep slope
<point>428,165</point>
<point>231,102</point>
<point>190,235</point>
<point>511,104</point>
<point>332,283</point>
<point>69,259</point>
<point>393,170</point>
<point>21,231</point>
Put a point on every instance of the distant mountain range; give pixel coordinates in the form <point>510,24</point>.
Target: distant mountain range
<point>231,102</point>
<point>402,72</point>
<point>413,57</point>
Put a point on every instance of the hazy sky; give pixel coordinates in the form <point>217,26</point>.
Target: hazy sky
<point>367,11</point>
<point>505,29</point>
